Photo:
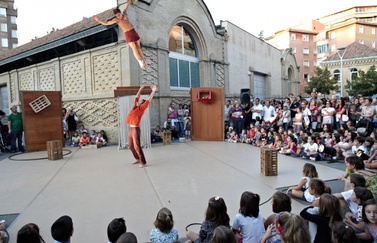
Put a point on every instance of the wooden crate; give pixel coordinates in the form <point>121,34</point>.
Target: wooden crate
<point>166,137</point>
<point>54,150</point>
<point>269,161</point>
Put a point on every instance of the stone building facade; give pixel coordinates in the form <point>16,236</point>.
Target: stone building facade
<point>217,56</point>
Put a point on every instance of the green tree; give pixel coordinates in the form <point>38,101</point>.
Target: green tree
<point>365,83</point>
<point>322,81</point>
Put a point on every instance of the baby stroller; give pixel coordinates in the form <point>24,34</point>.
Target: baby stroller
<point>364,127</point>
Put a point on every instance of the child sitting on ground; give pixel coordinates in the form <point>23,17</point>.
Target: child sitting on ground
<point>164,231</point>
<point>84,140</point>
<point>243,136</point>
<point>93,137</point>
<point>100,141</point>
<point>301,191</point>
<point>249,221</point>
<point>233,137</point>
<point>359,196</point>
<point>291,147</point>
<point>75,139</point>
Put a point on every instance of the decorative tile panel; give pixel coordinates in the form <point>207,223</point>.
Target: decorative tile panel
<point>106,72</point>
<point>151,73</point>
<point>101,114</point>
<point>73,78</point>
<point>46,79</point>
<point>26,81</point>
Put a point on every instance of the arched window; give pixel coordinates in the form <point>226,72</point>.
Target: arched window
<point>353,74</point>
<point>183,59</point>
<point>336,75</point>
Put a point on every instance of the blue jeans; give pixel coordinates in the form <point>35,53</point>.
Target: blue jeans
<point>16,136</point>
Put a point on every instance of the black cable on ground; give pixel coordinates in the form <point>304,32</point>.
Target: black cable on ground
<point>11,157</point>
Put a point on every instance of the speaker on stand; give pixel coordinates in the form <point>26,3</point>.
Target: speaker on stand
<point>245,96</point>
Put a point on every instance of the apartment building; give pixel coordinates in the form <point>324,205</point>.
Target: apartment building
<point>316,40</point>
<point>8,25</point>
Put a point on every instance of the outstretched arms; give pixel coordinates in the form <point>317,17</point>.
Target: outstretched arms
<point>111,22</point>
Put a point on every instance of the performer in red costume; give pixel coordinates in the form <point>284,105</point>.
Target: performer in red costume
<point>133,119</point>
<point>132,38</point>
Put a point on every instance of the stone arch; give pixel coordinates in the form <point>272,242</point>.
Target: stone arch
<point>195,32</point>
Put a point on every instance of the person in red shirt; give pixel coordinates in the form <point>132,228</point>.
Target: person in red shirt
<point>133,119</point>
<point>84,140</point>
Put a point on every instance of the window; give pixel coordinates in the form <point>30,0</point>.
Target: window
<point>374,44</point>
<point>183,60</point>
<point>306,51</point>
<point>373,31</point>
<point>4,27</point>
<point>4,42</point>
<point>293,36</point>
<point>293,50</point>
<point>14,33</point>
<point>353,74</point>
<point>361,42</point>
<point>306,76</point>
<point>4,98</point>
<point>306,63</point>
<point>13,19</point>
<point>3,12</point>
<point>333,48</point>
<point>361,29</point>
<point>333,35</point>
<point>336,74</point>
<point>305,37</point>
<point>14,45</point>
<point>314,38</point>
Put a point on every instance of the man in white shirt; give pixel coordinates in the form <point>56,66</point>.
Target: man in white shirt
<point>257,110</point>
<point>268,113</point>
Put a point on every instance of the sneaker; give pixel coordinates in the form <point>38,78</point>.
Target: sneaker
<point>311,158</point>
<point>303,157</point>
<point>334,158</point>
<point>136,162</point>
<point>142,165</point>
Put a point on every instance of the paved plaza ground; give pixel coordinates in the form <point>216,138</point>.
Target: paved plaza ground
<point>94,186</point>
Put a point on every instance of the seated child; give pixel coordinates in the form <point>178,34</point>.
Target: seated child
<point>75,139</point>
<point>93,137</point>
<point>164,231</point>
<point>233,137</point>
<point>359,196</point>
<point>229,133</point>
<point>100,141</point>
<point>157,135</point>
<point>291,147</point>
<point>301,191</point>
<point>84,140</point>
<point>251,134</point>
<point>104,135</point>
<point>243,136</point>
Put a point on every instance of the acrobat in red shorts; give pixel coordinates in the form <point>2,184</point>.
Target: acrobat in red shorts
<point>131,36</point>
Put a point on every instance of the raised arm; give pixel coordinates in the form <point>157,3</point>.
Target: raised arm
<point>138,92</point>
<point>111,22</point>
<point>127,6</point>
<point>152,94</point>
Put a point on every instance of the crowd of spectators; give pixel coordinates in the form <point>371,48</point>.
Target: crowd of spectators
<point>299,127</point>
